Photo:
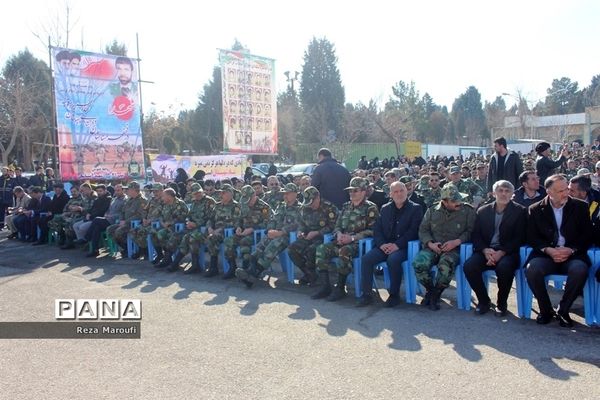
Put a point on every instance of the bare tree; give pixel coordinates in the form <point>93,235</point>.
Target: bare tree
<point>58,27</point>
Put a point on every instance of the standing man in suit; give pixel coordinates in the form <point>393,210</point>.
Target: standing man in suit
<point>504,165</point>
<point>560,231</point>
<point>498,233</point>
<point>331,179</point>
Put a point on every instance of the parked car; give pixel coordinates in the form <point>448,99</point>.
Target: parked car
<point>300,169</point>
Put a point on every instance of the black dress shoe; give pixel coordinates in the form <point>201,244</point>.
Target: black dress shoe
<point>13,236</point>
<point>483,308</point>
<point>364,301</point>
<point>391,302</point>
<point>564,319</point>
<point>544,319</point>
<point>501,310</point>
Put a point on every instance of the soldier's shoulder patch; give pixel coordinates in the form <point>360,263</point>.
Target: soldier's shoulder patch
<point>331,214</point>
<point>322,223</point>
<point>371,214</point>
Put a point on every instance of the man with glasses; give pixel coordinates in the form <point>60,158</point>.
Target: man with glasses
<point>274,196</point>
<point>433,194</point>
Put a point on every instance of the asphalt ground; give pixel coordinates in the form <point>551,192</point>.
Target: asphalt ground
<point>214,339</point>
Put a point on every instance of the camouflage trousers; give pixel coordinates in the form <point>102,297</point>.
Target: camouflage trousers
<point>244,242</point>
<point>446,263</point>
<point>192,241</point>
<point>303,252</point>
<point>346,253</point>
<point>167,239</point>
<point>63,224</point>
<point>118,233</point>
<point>213,242</point>
<point>140,235</point>
<point>268,249</point>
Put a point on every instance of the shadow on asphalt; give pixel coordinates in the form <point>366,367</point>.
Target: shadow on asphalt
<point>540,346</point>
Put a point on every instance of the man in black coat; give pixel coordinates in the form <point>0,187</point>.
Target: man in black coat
<point>560,231</point>
<point>57,204</point>
<point>498,234</point>
<point>397,224</point>
<point>331,178</point>
<point>99,206</point>
<point>504,165</point>
<point>543,164</point>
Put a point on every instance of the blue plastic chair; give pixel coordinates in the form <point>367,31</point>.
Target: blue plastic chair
<point>408,274</point>
<point>257,235</point>
<point>596,286</point>
<point>149,244</point>
<point>355,276</point>
<point>558,283</point>
<point>487,277</point>
<point>132,247</point>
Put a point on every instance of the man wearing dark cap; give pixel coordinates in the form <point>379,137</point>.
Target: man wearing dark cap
<point>132,210</point>
<point>285,220</point>
<point>467,186</point>
<point>227,213</point>
<point>255,216</point>
<point>152,213</point>
<point>330,178</point>
<point>317,218</point>
<point>355,222</point>
<point>200,211</point>
<point>544,165</point>
<point>445,226</point>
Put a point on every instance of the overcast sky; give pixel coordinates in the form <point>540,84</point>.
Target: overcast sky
<point>444,46</point>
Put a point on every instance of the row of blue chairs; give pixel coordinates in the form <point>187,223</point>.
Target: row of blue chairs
<point>411,286</point>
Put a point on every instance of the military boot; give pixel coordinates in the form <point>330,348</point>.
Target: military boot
<point>427,298</point>
<point>175,264</point>
<point>231,272</point>
<point>339,292</point>
<point>159,256</point>
<point>61,238</point>
<point>68,244</point>
<point>166,261</point>
<point>213,268</point>
<point>434,301</point>
<point>309,278</point>
<point>248,276</point>
<point>195,268</point>
<point>325,289</point>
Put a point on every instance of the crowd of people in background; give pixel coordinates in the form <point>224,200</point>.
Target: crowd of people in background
<point>498,202</point>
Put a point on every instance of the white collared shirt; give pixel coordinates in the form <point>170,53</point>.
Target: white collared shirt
<point>558,216</point>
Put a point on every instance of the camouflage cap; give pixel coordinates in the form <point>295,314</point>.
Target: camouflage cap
<point>450,192</point>
<point>133,185</point>
<point>310,193</point>
<point>196,188</point>
<point>376,170</point>
<point>290,188</point>
<point>390,173</point>
<point>407,179</point>
<point>157,186</point>
<point>455,170</point>
<point>247,192</point>
<point>480,165</point>
<point>358,183</point>
<point>226,187</point>
<point>583,171</point>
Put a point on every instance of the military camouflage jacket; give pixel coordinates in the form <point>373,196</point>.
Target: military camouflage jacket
<point>133,209</point>
<point>286,218</point>
<point>153,209</point>
<point>225,215</point>
<point>257,216</point>
<point>202,210</point>
<point>74,201</point>
<point>431,196</point>
<point>470,188</point>
<point>441,225</point>
<point>322,219</point>
<point>171,214</point>
<point>273,198</point>
<point>357,220</point>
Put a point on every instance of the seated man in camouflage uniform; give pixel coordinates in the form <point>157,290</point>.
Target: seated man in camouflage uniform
<point>226,214</point>
<point>445,226</point>
<point>434,192</point>
<point>285,220</point>
<point>255,215</point>
<point>151,213</point>
<point>72,210</point>
<point>132,210</point>
<point>174,211</point>
<point>317,218</point>
<point>88,196</point>
<point>200,212</point>
<point>466,185</point>
<point>274,196</point>
<point>355,222</point>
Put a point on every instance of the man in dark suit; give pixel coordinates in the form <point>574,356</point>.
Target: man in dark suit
<point>331,178</point>
<point>504,165</point>
<point>560,231</point>
<point>56,206</point>
<point>499,232</point>
<point>397,224</point>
